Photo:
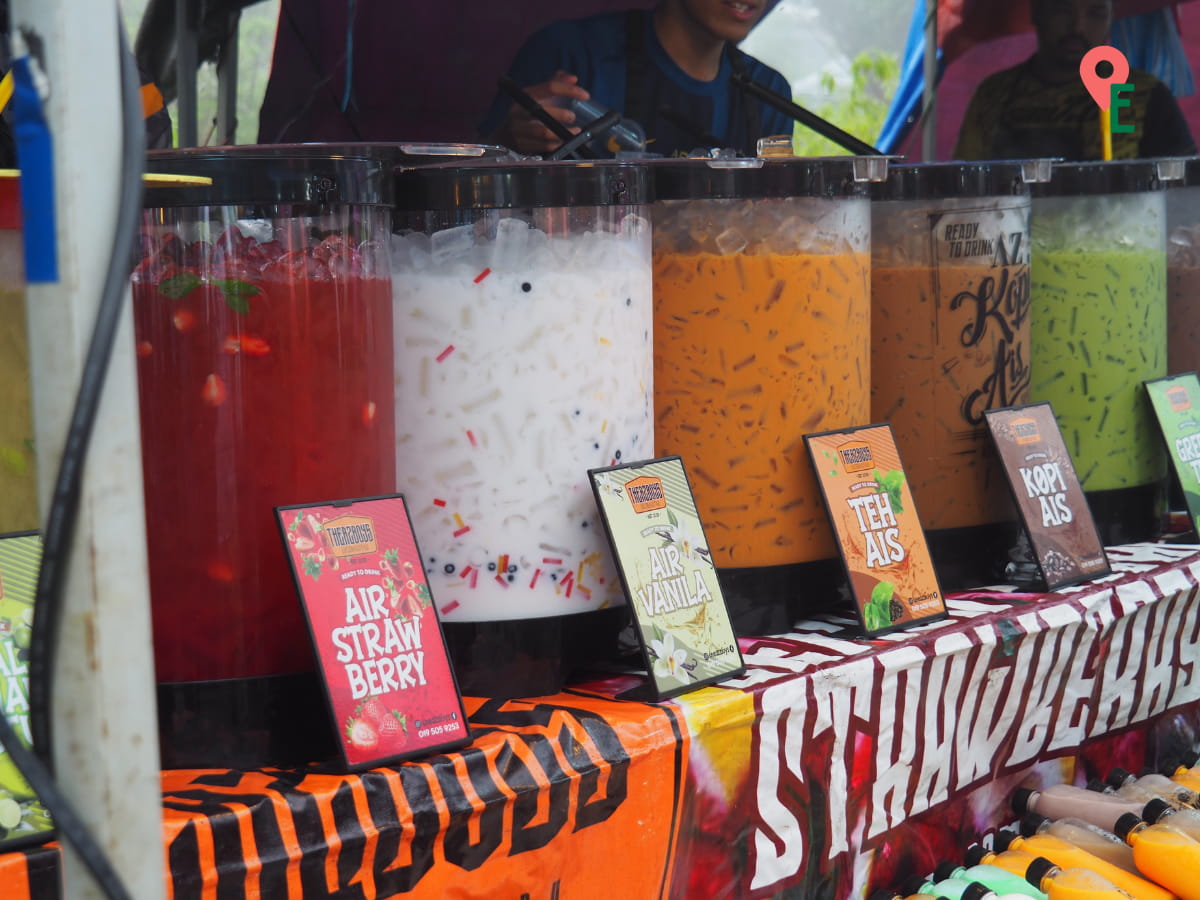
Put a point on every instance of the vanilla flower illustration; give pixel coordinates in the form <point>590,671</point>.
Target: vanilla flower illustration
<point>688,541</point>
<point>669,660</point>
<point>608,486</point>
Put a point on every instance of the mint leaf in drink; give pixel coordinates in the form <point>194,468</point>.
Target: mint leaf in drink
<point>236,293</point>
<point>179,286</point>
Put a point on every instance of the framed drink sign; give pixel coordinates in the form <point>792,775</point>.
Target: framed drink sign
<point>878,532</point>
<point>1042,477</point>
<point>24,820</point>
<point>1176,402</point>
<point>374,628</point>
<point>662,556</point>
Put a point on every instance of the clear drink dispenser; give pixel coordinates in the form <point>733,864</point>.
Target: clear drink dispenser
<point>950,339</point>
<point>523,358</point>
<point>263,319</point>
<point>1183,271</point>
<point>762,305</point>
<point>1098,314</point>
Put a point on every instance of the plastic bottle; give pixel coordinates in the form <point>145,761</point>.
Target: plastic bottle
<point>1072,883</point>
<point>1149,787</point>
<point>1159,812</point>
<point>1168,856</point>
<point>1013,861</point>
<point>1069,856</point>
<point>978,891</point>
<point>1188,776</point>
<point>1065,801</point>
<point>625,135</point>
<point>884,894</point>
<point>996,879</point>
<point>947,888</point>
<point>1085,836</point>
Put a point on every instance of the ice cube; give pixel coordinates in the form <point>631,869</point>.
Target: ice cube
<point>510,245</point>
<point>398,253</point>
<point>419,254</point>
<point>1181,237</point>
<point>452,244</point>
<point>345,264</point>
<point>372,259</point>
<point>635,227</point>
<point>790,235</point>
<point>260,230</point>
<point>730,241</point>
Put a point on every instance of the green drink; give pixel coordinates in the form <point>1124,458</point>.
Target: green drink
<point>1098,330</point>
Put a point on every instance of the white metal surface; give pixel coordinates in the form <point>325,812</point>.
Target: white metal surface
<point>105,738</point>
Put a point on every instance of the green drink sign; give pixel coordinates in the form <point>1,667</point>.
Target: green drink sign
<point>1176,402</point>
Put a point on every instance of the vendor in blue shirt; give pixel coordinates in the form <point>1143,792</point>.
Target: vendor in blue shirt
<point>667,69</point>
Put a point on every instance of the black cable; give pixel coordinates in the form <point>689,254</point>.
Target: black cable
<point>66,820</point>
<point>64,507</point>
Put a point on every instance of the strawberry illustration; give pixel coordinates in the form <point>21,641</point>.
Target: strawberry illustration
<point>371,709</point>
<point>393,728</point>
<point>361,734</point>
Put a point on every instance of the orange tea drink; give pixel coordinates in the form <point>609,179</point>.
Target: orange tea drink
<point>949,340</point>
<point>761,335</point>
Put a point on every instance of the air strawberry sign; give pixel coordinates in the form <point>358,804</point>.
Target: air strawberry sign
<point>374,629</point>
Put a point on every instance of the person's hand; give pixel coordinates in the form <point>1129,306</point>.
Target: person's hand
<point>524,133</point>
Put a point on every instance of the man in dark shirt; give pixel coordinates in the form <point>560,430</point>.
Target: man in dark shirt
<point>1041,108</point>
<point>668,69</point>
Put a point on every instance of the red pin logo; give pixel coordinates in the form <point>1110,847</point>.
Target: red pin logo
<point>1101,88</point>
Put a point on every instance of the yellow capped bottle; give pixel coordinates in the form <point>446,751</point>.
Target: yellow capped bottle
<point>1170,857</point>
<point>1069,856</point>
<point>1071,883</point>
<point>1014,861</point>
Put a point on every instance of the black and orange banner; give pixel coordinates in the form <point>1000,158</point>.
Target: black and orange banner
<point>545,801</point>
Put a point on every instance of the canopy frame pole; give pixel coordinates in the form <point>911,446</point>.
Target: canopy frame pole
<point>929,89</point>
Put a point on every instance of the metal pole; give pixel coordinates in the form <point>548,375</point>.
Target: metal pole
<point>929,100</point>
<point>105,734</point>
<point>227,83</point>
<point>186,24</point>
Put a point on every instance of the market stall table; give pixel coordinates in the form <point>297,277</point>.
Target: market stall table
<point>835,763</point>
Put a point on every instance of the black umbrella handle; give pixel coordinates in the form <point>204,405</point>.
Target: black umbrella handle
<point>810,119</point>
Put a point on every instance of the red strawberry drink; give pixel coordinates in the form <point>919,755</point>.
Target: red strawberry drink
<point>265,378</point>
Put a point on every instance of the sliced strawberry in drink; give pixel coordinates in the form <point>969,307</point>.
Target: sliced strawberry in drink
<point>219,570</point>
<point>154,269</point>
<point>247,344</point>
<point>197,254</point>
<point>214,392</point>
<point>332,245</point>
<point>184,320</point>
